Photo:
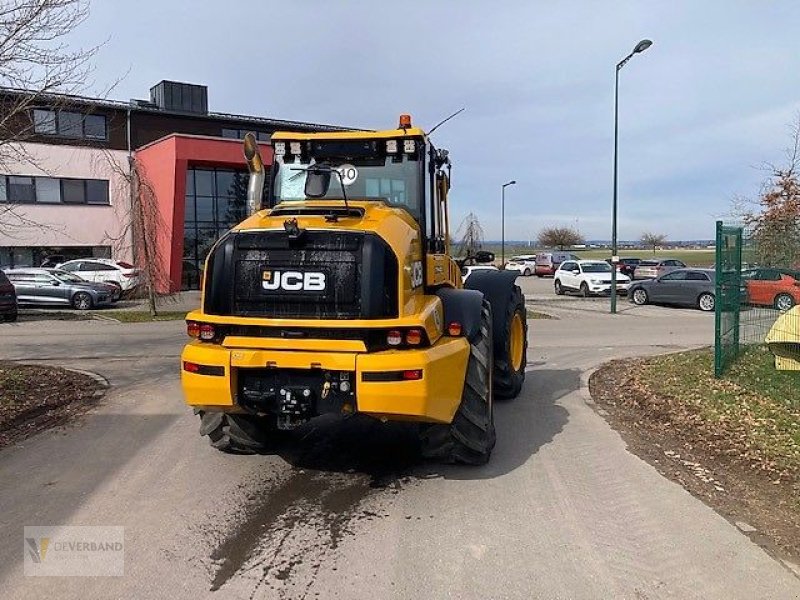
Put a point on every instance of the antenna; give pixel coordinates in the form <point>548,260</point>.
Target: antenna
<point>440,123</point>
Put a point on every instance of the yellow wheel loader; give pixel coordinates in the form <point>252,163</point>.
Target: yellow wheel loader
<point>341,296</point>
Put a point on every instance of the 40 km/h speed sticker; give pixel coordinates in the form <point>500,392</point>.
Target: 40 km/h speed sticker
<point>348,173</point>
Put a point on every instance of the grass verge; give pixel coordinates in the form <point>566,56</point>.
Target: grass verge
<point>535,314</point>
<point>735,441</point>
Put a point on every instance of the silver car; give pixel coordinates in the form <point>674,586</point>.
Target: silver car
<point>53,287</point>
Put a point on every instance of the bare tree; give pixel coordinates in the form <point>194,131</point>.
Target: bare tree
<point>653,240</point>
<point>775,221</point>
<point>559,237</point>
<point>37,67</point>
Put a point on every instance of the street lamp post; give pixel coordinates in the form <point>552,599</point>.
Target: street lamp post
<point>640,47</point>
<point>503,222</point>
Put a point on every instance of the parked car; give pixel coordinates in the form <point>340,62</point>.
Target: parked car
<point>587,277</point>
<point>779,288</point>
<point>547,263</point>
<point>8,299</point>
<point>52,261</point>
<point>525,264</point>
<point>650,269</point>
<point>626,266</point>
<point>54,287</point>
<point>120,274</point>
<point>470,269</point>
<point>684,287</point>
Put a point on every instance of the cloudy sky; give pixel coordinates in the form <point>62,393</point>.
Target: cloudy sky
<point>708,103</point>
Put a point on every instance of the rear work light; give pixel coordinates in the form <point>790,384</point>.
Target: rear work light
<point>454,329</point>
<point>207,332</point>
<point>193,329</point>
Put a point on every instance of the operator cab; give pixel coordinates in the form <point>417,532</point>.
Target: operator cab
<point>399,168</point>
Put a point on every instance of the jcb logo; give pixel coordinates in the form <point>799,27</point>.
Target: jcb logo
<point>293,281</point>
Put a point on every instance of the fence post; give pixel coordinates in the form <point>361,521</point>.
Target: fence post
<point>718,303</point>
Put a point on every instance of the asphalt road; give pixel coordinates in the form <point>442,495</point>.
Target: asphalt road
<point>345,510</point>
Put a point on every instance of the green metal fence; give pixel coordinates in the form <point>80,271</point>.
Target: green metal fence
<point>728,305</point>
<point>757,282</point>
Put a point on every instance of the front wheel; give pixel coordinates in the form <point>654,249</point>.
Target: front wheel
<point>82,301</point>
<point>470,438</point>
<point>511,354</point>
<point>558,288</point>
<point>640,297</point>
<point>526,273</point>
<point>706,302</point>
<point>784,302</point>
<point>584,290</point>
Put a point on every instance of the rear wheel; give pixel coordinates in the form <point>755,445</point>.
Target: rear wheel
<point>82,301</point>
<point>233,433</point>
<point>558,287</point>
<point>10,317</point>
<point>511,359</point>
<point>526,273</point>
<point>784,302</point>
<point>706,302</point>
<point>469,439</point>
<point>640,297</point>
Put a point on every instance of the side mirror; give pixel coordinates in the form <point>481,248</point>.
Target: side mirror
<point>318,181</point>
<point>576,271</point>
<point>56,283</point>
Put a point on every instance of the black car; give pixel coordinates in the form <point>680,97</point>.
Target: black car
<point>8,299</point>
<point>626,266</point>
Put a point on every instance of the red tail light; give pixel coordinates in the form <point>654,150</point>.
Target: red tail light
<point>414,337</point>
<point>191,367</point>
<point>193,329</point>
<point>412,375</point>
<point>207,332</point>
<point>454,329</point>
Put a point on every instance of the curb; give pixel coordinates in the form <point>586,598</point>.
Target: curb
<point>104,384</point>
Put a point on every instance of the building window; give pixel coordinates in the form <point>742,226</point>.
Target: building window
<point>70,124</point>
<point>21,190</point>
<point>238,134</point>
<point>216,200</point>
<point>51,190</point>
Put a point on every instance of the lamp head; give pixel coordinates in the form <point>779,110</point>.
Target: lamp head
<point>642,46</point>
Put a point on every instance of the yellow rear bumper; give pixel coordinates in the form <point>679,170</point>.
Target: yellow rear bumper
<point>433,398</point>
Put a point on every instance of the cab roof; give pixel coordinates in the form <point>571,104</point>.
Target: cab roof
<point>349,135</point>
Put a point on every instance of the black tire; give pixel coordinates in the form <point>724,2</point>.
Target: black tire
<point>558,287</point>
<point>470,438</point>
<point>640,297</point>
<point>784,302</point>
<point>526,273</point>
<point>10,318</point>
<point>508,381</point>
<point>118,293</point>
<point>584,290</point>
<point>706,302</point>
<point>82,301</point>
<point>234,433</point>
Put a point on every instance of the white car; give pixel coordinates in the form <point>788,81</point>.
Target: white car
<point>525,264</point>
<point>104,270</point>
<point>470,269</point>
<point>587,277</point>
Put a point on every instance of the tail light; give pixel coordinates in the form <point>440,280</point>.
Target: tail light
<point>193,329</point>
<point>414,337</point>
<point>207,332</point>
<point>394,338</point>
<point>454,329</point>
<point>412,375</point>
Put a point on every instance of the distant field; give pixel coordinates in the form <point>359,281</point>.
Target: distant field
<point>694,258</point>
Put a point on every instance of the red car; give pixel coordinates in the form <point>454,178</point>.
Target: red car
<point>779,288</point>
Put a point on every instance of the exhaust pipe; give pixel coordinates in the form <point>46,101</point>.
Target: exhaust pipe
<point>255,186</point>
